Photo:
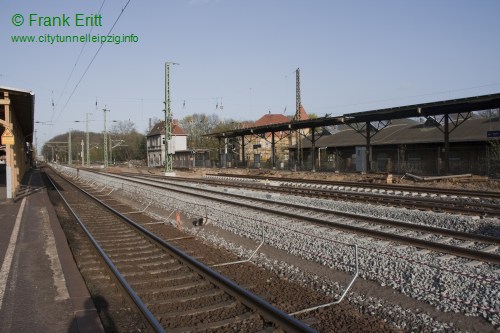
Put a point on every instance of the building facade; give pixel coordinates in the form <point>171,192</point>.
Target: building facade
<point>155,143</point>
<point>410,145</point>
<point>259,149</point>
<point>17,109</point>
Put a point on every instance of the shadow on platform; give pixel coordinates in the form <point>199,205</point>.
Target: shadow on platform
<point>3,183</point>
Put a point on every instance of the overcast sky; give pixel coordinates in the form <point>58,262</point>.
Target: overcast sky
<point>242,55</point>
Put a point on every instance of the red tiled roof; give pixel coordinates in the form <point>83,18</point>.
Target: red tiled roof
<point>160,129</point>
<point>270,119</point>
<point>177,130</point>
<point>302,114</point>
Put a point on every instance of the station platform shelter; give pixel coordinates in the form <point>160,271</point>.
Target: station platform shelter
<point>17,109</point>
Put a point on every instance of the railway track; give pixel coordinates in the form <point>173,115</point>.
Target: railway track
<point>448,282</point>
<point>175,292</point>
<point>376,186</point>
<point>450,242</point>
<point>476,203</point>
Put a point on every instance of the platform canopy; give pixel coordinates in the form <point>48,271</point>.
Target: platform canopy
<point>22,103</point>
<point>17,109</point>
<point>469,104</point>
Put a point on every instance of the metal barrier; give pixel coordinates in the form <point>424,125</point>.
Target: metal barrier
<point>140,211</point>
<point>343,295</point>
<point>251,256</point>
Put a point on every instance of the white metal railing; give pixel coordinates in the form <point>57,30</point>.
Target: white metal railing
<point>356,273</point>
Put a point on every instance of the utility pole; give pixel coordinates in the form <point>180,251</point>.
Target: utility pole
<point>88,144</point>
<point>110,150</point>
<point>168,122</point>
<point>298,137</point>
<point>70,156</point>
<point>105,139</point>
<point>82,154</point>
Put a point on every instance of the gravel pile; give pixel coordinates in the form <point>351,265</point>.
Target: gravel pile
<point>447,284</point>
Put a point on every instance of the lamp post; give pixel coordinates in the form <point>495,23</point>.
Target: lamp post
<point>168,121</point>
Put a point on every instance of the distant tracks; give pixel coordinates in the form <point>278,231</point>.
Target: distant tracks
<point>476,203</point>
<point>396,231</point>
<point>422,198</point>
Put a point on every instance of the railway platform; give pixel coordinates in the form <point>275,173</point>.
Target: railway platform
<point>41,289</point>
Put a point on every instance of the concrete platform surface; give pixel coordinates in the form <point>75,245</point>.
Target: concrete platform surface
<point>41,289</point>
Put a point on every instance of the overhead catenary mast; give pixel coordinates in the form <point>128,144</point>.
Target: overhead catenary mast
<point>87,138</point>
<point>298,136</point>
<point>105,139</point>
<point>168,123</point>
<point>70,154</point>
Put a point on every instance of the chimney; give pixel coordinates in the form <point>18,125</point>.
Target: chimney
<point>149,125</point>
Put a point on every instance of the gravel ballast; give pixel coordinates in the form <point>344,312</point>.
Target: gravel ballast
<point>448,284</point>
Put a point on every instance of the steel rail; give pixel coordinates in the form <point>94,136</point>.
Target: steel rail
<point>420,203</point>
<point>155,325</point>
<point>482,209</point>
<point>397,187</point>
<point>266,310</point>
<point>386,222</point>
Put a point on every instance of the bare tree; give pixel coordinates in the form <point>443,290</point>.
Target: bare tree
<point>123,127</point>
<point>196,127</point>
<point>127,143</point>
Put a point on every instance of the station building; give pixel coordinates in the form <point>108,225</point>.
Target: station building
<point>443,137</point>
<point>155,143</point>
<point>16,143</point>
<point>265,148</point>
<point>183,158</point>
<point>410,145</point>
